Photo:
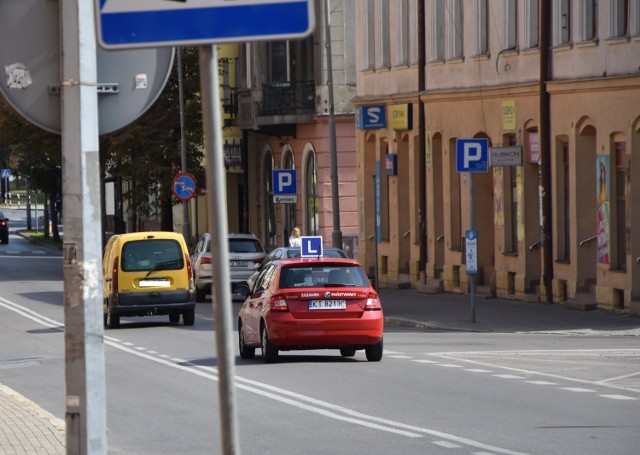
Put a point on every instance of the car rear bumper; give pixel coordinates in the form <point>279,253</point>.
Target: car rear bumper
<point>285,332</point>
<point>150,303</point>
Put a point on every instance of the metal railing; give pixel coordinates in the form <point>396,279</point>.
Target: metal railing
<point>535,245</point>
<point>287,98</point>
<point>585,241</point>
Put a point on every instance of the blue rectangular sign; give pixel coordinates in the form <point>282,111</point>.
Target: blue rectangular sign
<point>284,182</point>
<point>371,117</point>
<point>154,23</point>
<point>311,246</point>
<point>472,155</point>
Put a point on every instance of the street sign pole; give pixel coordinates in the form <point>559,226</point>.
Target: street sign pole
<point>85,414</point>
<point>472,276</point>
<point>217,222</point>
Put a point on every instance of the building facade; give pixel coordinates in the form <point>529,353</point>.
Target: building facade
<point>283,109</point>
<point>558,225</point>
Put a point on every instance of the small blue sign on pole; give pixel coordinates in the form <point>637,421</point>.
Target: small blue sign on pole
<point>311,246</point>
<point>471,247</point>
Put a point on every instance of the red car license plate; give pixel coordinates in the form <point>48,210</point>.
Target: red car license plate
<point>327,304</point>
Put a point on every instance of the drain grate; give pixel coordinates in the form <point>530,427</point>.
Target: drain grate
<point>21,362</point>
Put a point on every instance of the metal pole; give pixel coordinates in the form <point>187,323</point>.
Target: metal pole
<point>472,277</point>
<point>375,231</point>
<point>186,226</point>
<point>217,220</point>
<point>422,159</point>
<point>85,401</point>
<point>335,195</point>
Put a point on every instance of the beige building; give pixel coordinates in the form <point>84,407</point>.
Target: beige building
<point>558,223</point>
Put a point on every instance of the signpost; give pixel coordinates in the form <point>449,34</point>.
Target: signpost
<point>472,155</point>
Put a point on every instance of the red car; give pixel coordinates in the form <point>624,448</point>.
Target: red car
<point>320,303</point>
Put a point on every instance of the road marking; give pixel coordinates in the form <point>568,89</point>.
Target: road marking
<point>477,370</point>
<point>542,383</point>
<point>618,397</point>
<point>446,444</point>
<point>577,389</point>
<point>285,396</point>
<point>508,376</point>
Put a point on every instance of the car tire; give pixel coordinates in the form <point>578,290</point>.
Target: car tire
<point>189,317</point>
<point>374,352</point>
<point>201,295</point>
<point>245,351</point>
<point>114,321</point>
<point>269,351</point>
<point>347,352</point>
<point>174,318</point>
<point>105,318</point>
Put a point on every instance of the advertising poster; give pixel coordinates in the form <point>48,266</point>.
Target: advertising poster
<point>602,173</point>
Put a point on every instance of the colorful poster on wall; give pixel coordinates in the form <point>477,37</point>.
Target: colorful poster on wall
<point>602,172</point>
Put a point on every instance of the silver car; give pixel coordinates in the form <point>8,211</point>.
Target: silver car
<point>245,252</point>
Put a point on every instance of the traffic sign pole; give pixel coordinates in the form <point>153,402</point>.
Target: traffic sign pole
<point>85,413</point>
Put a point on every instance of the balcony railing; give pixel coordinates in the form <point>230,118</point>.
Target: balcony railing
<point>287,98</point>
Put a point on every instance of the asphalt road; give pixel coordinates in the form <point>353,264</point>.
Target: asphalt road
<point>434,392</point>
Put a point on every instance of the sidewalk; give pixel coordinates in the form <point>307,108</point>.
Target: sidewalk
<point>25,428</point>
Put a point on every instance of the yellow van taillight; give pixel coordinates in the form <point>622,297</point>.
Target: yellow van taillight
<point>189,269</point>
<point>114,275</point>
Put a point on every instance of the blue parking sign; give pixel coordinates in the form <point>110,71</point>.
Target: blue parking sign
<point>472,155</point>
<point>311,247</point>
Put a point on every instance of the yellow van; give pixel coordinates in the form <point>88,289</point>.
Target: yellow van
<point>147,273</point>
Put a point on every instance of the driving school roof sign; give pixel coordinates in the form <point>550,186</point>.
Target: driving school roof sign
<point>153,23</point>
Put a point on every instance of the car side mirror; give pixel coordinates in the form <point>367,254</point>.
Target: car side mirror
<point>243,290</point>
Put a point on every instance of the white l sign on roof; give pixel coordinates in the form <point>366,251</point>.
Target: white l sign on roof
<point>154,23</point>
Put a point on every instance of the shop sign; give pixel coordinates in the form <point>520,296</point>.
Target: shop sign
<point>401,116</point>
<point>371,117</point>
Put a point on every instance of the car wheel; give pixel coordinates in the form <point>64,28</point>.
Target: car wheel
<point>174,318</point>
<point>245,351</point>
<point>105,318</point>
<point>269,351</point>
<point>189,317</point>
<point>374,352</point>
<point>201,295</point>
<point>347,352</point>
<point>114,321</point>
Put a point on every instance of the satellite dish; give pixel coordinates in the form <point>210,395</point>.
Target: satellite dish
<point>129,81</point>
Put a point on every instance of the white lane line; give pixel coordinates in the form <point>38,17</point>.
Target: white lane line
<point>508,376</point>
<point>618,397</point>
<point>617,378</point>
<point>449,365</point>
<point>300,401</point>
<point>542,382</point>
<point>424,361</point>
<point>578,389</point>
<point>446,444</point>
<point>398,356</point>
<point>455,356</point>
<point>477,370</point>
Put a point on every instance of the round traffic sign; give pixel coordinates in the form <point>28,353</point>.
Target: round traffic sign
<point>184,186</point>
<point>129,81</point>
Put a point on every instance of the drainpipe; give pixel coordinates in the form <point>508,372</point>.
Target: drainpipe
<point>422,161</point>
<point>545,152</point>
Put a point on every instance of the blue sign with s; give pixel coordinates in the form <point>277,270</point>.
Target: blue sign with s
<point>371,117</point>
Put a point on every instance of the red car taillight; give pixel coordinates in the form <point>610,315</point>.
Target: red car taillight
<point>278,303</point>
<point>373,303</point>
<point>205,260</point>
<point>258,261</point>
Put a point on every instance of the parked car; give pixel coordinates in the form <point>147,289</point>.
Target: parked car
<point>4,228</point>
<point>245,251</point>
<point>147,273</point>
<point>285,252</point>
<point>319,303</point>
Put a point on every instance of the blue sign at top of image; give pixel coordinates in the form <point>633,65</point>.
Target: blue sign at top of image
<point>154,23</point>
<point>371,117</point>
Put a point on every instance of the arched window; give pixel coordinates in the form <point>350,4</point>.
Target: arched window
<point>311,195</point>
<point>269,219</point>
<point>290,209</point>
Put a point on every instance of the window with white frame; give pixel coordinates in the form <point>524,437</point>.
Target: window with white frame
<point>437,31</point>
<point>562,22</point>
<point>588,20</point>
<point>382,35</point>
<point>455,28</point>
<point>509,24</point>
<point>481,41</point>
<point>619,18</point>
<point>530,21</point>
<point>402,32</point>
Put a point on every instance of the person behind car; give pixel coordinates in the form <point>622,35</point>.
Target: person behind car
<point>295,240</point>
